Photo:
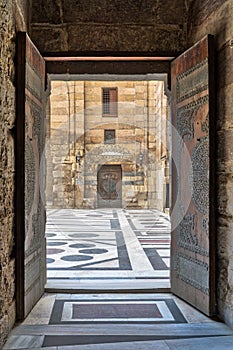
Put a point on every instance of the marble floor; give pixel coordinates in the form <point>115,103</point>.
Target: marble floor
<point>112,249</point>
<point>118,321</point>
<point>107,249</point>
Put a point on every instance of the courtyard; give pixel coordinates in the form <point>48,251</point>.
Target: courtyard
<point>107,248</point>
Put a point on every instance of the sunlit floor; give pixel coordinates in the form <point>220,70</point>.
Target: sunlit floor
<point>107,248</point>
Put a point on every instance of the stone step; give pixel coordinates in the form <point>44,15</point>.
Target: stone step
<point>155,330</point>
<point>213,343</point>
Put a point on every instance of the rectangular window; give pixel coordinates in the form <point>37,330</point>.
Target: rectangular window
<point>109,136</point>
<point>109,100</point>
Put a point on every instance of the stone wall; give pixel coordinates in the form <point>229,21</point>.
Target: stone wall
<point>126,26</point>
<point>77,126</point>
<point>215,17</point>
<point>113,25</point>
<point>9,11</point>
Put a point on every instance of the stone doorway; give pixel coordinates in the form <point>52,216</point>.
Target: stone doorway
<point>108,183</point>
<point>140,155</point>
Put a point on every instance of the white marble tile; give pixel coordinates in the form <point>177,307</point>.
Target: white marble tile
<point>41,313</point>
<point>192,315</point>
<point>213,343</point>
<point>64,222</point>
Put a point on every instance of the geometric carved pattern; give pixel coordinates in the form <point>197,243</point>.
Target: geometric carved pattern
<point>33,98</point>
<point>106,154</point>
<point>193,265</point>
<point>185,117</point>
<point>187,238</point>
<point>193,81</point>
<point>36,88</point>
<point>200,176</point>
<point>30,171</point>
<point>205,226</point>
<point>194,272</point>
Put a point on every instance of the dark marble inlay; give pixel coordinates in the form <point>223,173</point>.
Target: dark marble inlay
<point>76,257</point>
<point>66,340</point>
<point>83,235</point>
<point>115,224</point>
<point>124,261</point>
<point>93,312</point>
<point>54,251</point>
<point>49,235</point>
<point>108,310</point>
<point>82,245</point>
<point>93,251</point>
<point>54,244</point>
<point>155,259</point>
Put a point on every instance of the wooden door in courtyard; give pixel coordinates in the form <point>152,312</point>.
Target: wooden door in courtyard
<point>30,176</point>
<point>193,208</point>
<point>109,186</point>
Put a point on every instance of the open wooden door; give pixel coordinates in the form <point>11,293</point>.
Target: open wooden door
<point>193,216</point>
<point>30,213</point>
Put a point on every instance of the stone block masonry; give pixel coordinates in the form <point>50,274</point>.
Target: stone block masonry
<point>7,118</point>
<point>140,127</point>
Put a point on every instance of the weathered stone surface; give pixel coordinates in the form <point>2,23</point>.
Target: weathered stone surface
<point>201,11</point>
<point>12,13</point>
<point>224,72</point>
<point>210,17</point>
<point>7,115</point>
<point>113,11</point>
<point>226,110</point>
<point>115,25</point>
<point>225,150</point>
<point>92,37</point>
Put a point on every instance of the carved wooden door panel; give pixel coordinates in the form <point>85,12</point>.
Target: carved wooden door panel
<point>193,229</point>
<point>109,186</point>
<point>30,174</point>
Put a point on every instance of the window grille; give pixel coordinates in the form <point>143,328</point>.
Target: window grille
<point>109,102</point>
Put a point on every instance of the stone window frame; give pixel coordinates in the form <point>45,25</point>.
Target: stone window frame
<point>109,101</point>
